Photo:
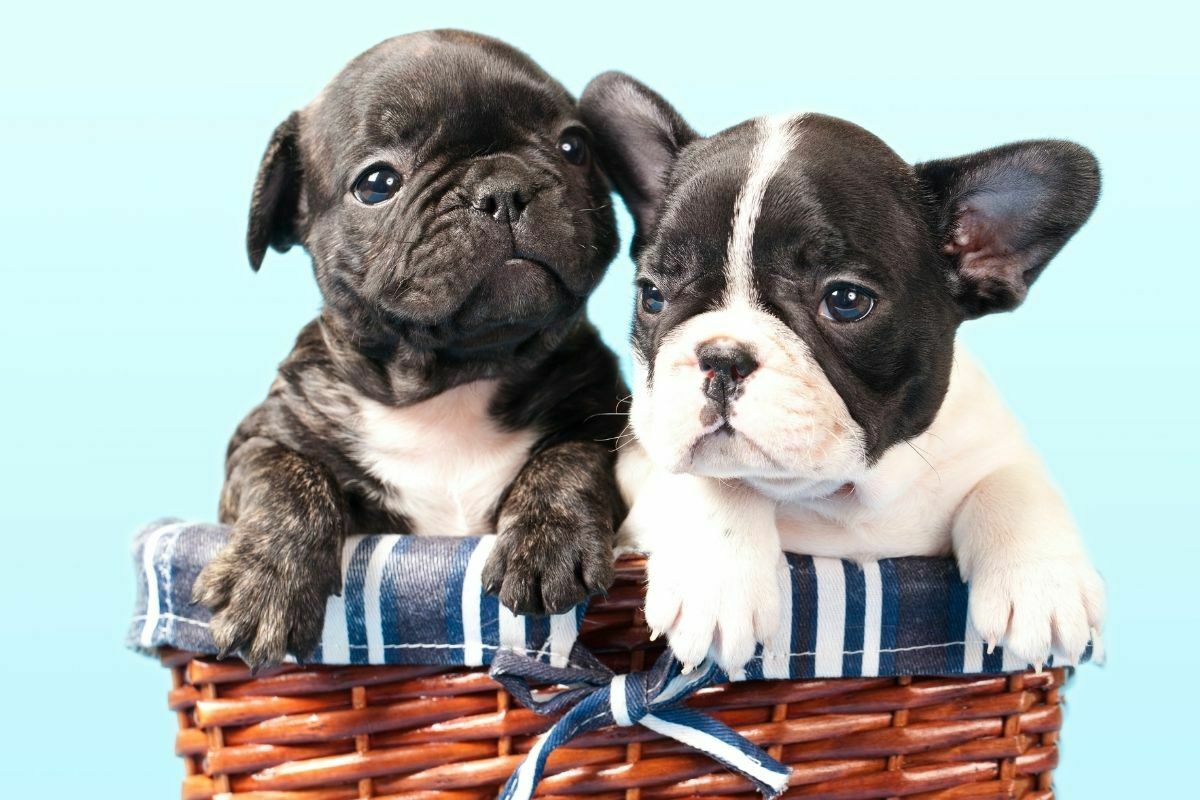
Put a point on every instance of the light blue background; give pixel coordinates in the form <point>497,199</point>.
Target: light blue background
<point>134,336</point>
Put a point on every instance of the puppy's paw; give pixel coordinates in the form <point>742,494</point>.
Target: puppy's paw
<point>548,566</point>
<point>265,604</point>
<point>1038,607</point>
<point>710,605</point>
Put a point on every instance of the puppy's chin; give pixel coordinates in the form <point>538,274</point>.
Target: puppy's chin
<point>517,301</point>
<point>518,291</point>
<point>725,453</point>
<point>728,454</point>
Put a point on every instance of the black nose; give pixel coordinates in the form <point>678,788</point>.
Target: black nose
<point>725,366</point>
<point>502,199</point>
<point>731,362</point>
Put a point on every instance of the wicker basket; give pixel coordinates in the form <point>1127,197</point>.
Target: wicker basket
<point>328,733</point>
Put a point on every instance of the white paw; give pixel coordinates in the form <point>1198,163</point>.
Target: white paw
<point>716,604</point>
<point>1038,607</point>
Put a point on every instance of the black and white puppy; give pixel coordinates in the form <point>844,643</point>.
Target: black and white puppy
<point>443,185</point>
<point>798,385</point>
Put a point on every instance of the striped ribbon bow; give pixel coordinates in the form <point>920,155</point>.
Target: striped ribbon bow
<point>598,697</point>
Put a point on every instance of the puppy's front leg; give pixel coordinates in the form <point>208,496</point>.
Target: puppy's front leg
<point>716,573</point>
<point>556,527</point>
<point>268,587</point>
<point>1033,587</point>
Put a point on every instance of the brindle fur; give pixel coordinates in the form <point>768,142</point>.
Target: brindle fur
<point>400,292</point>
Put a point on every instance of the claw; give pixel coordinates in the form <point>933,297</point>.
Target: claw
<point>688,669</point>
<point>1098,655</point>
<point>991,646</point>
<point>654,635</point>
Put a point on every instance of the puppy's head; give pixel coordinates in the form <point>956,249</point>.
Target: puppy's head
<point>800,284</point>
<point>444,185</point>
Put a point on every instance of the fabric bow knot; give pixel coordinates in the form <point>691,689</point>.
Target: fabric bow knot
<point>598,697</point>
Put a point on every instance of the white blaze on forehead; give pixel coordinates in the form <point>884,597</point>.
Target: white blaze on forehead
<point>776,138</point>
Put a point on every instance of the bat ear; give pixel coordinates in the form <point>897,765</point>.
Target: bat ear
<point>638,136</point>
<point>1002,214</point>
<point>275,205</point>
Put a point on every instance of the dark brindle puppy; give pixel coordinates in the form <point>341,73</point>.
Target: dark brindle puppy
<point>451,385</point>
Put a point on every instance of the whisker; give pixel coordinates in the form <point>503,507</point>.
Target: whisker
<point>631,440</point>
<point>926,460</point>
<point>618,437</point>
<point>916,447</point>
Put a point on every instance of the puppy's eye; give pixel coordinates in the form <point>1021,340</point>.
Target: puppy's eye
<point>652,299</point>
<point>377,184</point>
<point>573,148</point>
<point>846,303</point>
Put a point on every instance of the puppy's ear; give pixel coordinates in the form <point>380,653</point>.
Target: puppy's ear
<point>274,207</point>
<point>1002,214</point>
<point>638,136</point>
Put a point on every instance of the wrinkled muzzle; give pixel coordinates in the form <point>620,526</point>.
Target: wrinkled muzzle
<point>735,393</point>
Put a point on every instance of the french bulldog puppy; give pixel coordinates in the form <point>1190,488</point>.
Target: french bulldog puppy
<point>444,187</point>
<point>797,382</point>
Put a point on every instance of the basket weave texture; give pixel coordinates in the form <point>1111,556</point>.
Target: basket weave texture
<point>437,733</point>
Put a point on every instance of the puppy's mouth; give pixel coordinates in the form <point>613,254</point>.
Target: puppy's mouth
<point>498,337</point>
<point>522,267</point>
<point>516,300</point>
<point>720,449</point>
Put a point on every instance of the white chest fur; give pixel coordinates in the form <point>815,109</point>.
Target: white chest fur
<point>443,462</point>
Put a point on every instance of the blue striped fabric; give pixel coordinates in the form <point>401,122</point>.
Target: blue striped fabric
<point>405,600</point>
<point>419,600</point>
